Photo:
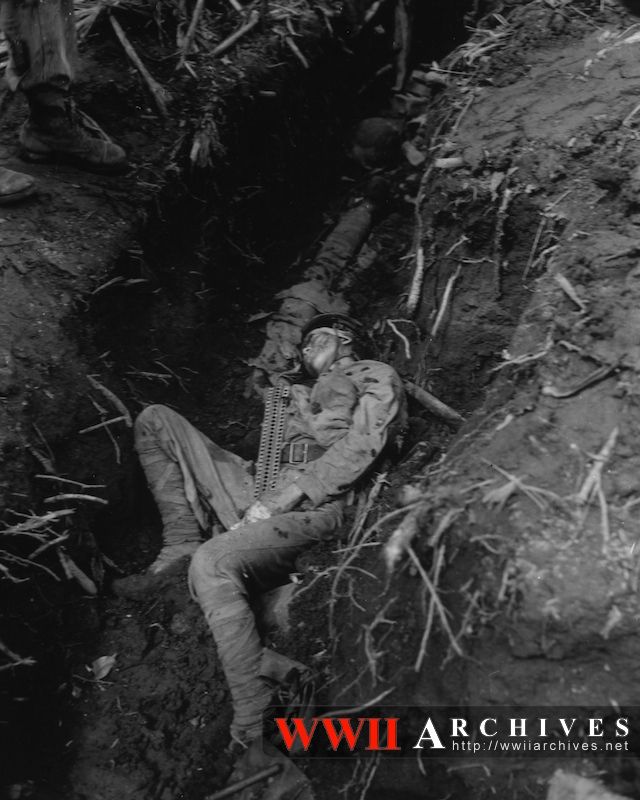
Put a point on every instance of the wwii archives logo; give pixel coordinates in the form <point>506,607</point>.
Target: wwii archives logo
<point>441,732</point>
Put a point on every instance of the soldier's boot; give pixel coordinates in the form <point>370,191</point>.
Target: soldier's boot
<point>180,530</point>
<point>57,131</point>
<point>15,186</point>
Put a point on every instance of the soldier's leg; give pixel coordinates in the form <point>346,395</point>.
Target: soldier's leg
<point>187,474</point>
<point>224,571</point>
<point>42,44</point>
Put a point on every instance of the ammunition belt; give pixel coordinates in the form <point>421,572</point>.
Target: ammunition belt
<point>271,438</point>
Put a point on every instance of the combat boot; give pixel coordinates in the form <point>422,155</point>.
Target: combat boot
<point>57,131</point>
<point>15,186</point>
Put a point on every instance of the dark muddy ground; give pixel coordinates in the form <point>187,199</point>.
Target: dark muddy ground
<point>539,225</point>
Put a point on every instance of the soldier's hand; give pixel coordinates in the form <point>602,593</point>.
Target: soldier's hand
<point>257,511</point>
<point>283,500</point>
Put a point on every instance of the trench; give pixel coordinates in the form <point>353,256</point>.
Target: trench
<point>173,329</point>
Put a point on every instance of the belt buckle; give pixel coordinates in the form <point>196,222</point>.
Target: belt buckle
<point>305,452</point>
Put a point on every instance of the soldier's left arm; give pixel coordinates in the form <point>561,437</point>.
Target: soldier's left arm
<point>379,404</point>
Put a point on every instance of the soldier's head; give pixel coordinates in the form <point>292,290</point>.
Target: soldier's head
<point>327,338</point>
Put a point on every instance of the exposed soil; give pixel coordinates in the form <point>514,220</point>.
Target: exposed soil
<point>157,286</point>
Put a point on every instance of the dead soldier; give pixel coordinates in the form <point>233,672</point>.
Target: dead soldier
<point>332,431</point>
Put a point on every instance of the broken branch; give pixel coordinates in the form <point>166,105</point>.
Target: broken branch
<point>191,32</point>
<point>159,93</point>
<point>431,403</point>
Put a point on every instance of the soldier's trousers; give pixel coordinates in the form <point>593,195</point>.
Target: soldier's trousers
<point>227,569</point>
<point>41,36</point>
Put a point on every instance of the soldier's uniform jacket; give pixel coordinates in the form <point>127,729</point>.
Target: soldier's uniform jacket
<point>352,412</point>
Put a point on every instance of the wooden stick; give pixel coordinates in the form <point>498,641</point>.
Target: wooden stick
<point>432,403</point>
<point>159,93</point>
<point>227,44</point>
<point>191,32</point>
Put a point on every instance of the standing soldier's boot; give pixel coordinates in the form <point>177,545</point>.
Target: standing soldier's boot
<point>180,529</point>
<point>56,130</point>
<point>41,37</point>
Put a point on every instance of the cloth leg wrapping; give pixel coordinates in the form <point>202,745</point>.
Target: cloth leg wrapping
<point>223,571</point>
<point>42,43</point>
<point>209,477</point>
<point>179,523</point>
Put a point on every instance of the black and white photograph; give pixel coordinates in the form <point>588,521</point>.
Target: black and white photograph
<point>319,438</point>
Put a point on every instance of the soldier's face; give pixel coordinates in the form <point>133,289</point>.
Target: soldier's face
<point>320,349</point>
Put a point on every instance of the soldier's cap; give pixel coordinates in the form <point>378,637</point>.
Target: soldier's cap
<point>340,321</point>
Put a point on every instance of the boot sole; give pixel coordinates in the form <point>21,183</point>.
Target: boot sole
<point>63,158</point>
<point>16,197</point>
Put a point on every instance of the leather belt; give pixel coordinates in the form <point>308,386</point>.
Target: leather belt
<point>301,452</point>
